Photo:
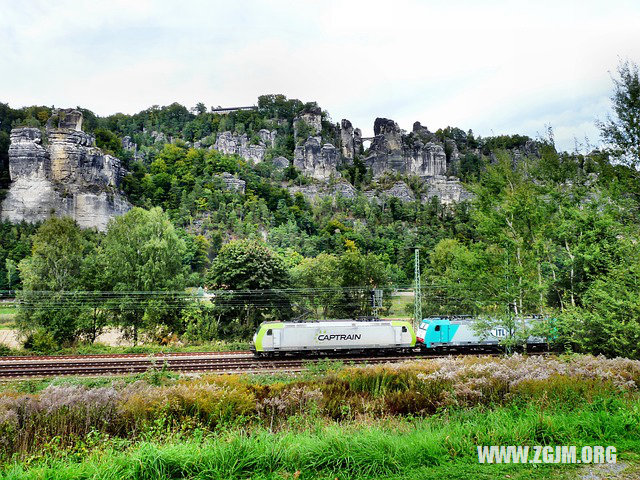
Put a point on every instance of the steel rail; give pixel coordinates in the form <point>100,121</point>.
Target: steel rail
<point>12,369</point>
<point>237,362</point>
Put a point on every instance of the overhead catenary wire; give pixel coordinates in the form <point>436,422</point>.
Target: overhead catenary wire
<point>350,297</point>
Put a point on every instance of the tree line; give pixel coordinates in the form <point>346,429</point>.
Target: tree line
<point>551,234</point>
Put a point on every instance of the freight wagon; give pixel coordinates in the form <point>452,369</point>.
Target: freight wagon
<point>274,338</point>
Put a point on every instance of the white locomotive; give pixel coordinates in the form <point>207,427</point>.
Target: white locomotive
<point>333,335</point>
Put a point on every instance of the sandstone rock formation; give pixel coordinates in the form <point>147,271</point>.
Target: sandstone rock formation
<point>413,154</point>
<point>267,137</point>
<point>423,131</point>
<point>314,191</point>
<point>233,183</point>
<point>344,189</point>
<point>401,191</point>
<point>449,190</point>
<point>129,144</point>
<point>316,160</point>
<point>346,140</point>
<point>281,162</point>
<point>159,137</point>
<point>231,144</point>
<point>68,176</point>
<point>312,117</point>
<point>357,141</point>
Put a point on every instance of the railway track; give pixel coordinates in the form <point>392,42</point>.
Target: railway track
<point>222,363</point>
<point>122,355</point>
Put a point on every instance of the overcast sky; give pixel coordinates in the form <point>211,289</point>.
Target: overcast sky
<point>491,66</point>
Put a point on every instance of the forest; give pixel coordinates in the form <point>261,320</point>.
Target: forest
<point>552,234</point>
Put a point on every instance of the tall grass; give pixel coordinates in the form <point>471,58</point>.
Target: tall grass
<point>62,415</point>
<point>398,449</point>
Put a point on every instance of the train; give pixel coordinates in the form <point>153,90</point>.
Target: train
<point>458,335</point>
<point>379,336</point>
<point>273,338</point>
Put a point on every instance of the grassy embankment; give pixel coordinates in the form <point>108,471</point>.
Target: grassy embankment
<point>148,348</point>
<point>419,420</point>
<point>7,316</point>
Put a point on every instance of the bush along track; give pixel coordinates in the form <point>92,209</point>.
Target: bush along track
<point>416,420</point>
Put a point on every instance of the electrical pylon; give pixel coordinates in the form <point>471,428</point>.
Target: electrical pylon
<point>417,309</point>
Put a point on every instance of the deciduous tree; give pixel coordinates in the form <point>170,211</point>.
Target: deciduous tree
<point>143,258</point>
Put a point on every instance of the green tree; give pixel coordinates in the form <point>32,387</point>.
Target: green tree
<point>622,130</point>
<point>359,274</point>
<point>50,276</point>
<point>320,277</point>
<point>200,108</point>
<point>108,141</point>
<point>516,331</point>
<point>249,277</point>
<point>143,259</point>
<point>464,280</point>
<point>12,272</point>
<point>510,215</point>
<point>201,322</point>
<point>608,320</point>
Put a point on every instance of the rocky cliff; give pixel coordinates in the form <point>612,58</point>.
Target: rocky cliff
<point>62,174</point>
<point>232,144</point>
<point>448,190</point>
<point>311,118</point>
<point>317,160</point>
<point>414,154</point>
<point>392,150</point>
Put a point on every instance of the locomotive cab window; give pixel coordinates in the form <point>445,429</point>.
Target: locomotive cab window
<point>437,328</point>
<point>269,332</point>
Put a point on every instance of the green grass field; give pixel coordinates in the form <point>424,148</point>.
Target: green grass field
<point>437,447</point>
<point>8,310</point>
<point>7,317</point>
<point>420,420</point>
<point>399,305</point>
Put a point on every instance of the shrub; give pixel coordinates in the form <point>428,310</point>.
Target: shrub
<point>41,342</point>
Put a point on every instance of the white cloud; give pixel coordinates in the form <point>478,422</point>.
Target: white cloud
<point>493,66</point>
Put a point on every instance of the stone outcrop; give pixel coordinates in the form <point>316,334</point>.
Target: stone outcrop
<point>529,149</point>
<point>312,117</point>
<point>401,191</point>
<point>449,190</point>
<point>232,144</point>
<point>68,119</point>
<point>345,190</point>
<point>317,160</point>
<point>159,137</point>
<point>314,192</point>
<point>357,141</point>
<point>232,183</point>
<point>64,176</point>
<point>268,138</point>
<point>347,144</point>
<point>281,162</point>
<point>413,154</point>
<point>129,144</point>
<point>423,132</point>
